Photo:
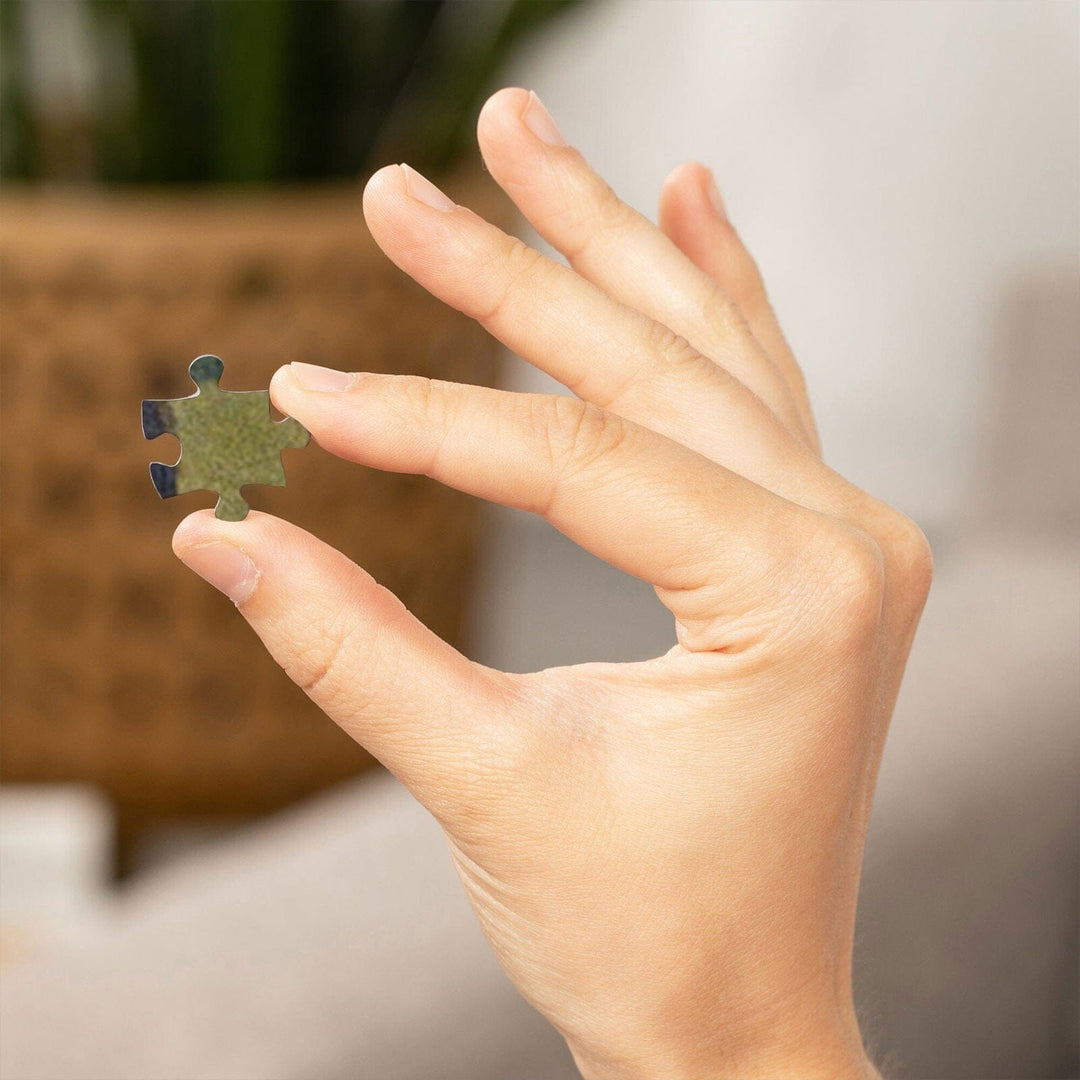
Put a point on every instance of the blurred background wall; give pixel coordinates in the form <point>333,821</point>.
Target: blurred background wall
<point>908,175</point>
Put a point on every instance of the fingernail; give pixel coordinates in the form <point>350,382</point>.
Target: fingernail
<point>226,568</point>
<point>313,377</point>
<point>422,189</point>
<point>538,120</point>
<point>713,193</point>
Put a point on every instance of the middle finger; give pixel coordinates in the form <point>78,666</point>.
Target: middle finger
<point>607,353</point>
<point>612,245</point>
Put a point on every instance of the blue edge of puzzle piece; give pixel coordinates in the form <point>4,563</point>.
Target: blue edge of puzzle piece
<point>164,477</point>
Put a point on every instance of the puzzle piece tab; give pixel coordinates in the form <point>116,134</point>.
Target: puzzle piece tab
<point>228,439</point>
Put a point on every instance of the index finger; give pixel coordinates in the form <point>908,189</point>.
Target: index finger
<point>642,502</point>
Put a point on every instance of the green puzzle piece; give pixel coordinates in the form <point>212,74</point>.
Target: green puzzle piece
<point>228,439</point>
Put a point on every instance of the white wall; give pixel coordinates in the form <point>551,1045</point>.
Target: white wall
<point>893,165</point>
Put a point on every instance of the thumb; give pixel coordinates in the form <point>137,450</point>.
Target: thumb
<point>408,697</point>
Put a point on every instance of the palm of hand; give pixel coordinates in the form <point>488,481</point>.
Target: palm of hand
<point>706,809</point>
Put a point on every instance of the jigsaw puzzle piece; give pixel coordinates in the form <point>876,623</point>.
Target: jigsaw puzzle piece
<point>206,371</point>
<point>292,434</point>
<point>232,506</point>
<point>164,478</point>
<point>228,440</point>
<point>170,480</point>
<point>157,419</point>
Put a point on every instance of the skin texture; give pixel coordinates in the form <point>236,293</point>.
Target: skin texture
<point>664,855</point>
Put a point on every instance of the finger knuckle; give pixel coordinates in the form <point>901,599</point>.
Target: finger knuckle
<point>517,265</point>
<point>671,349</point>
<point>610,213</point>
<point>723,315</point>
<point>417,396</point>
<point>522,261</point>
<point>582,434</point>
<point>432,406</point>
<point>847,569</point>
<point>591,214</point>
<point>317,665</point>
<point>909,558</point>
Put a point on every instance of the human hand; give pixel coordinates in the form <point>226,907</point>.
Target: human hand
<point>664,855</point>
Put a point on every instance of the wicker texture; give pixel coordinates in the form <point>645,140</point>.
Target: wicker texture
<point>119,666</point>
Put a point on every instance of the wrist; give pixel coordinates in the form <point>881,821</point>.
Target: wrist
<point>813,1066</point>
<point>824,1051</point>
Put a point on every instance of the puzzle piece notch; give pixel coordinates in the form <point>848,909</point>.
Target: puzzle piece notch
<point>228,439</point>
